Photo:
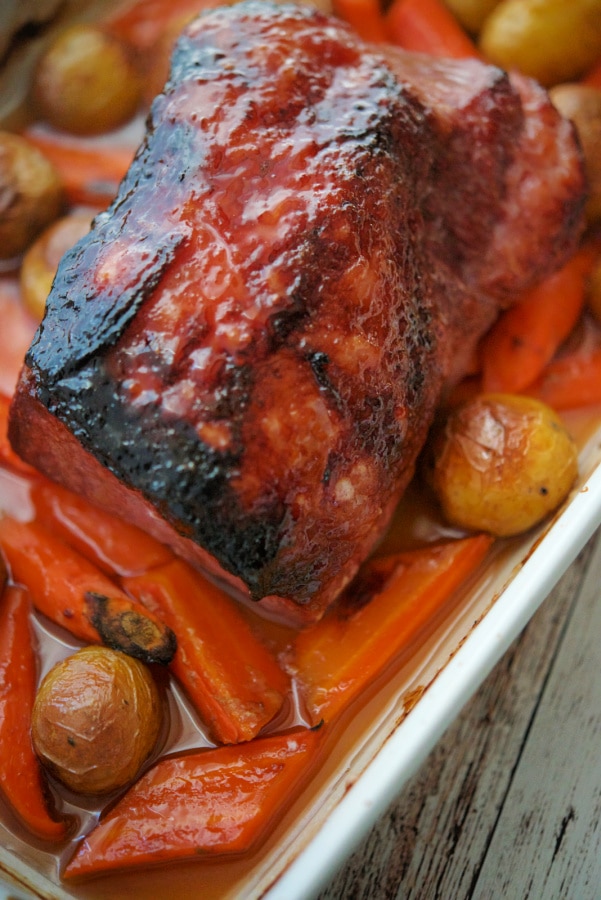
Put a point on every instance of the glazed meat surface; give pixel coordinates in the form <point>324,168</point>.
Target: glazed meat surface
<point>245,353</point>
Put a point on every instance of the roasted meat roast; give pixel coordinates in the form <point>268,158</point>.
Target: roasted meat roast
<point>245,353</point>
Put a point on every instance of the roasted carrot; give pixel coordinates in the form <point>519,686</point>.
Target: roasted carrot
<point>408,594</point>
<point>427,26</point>
<point>230,676</point>
<point>209,803</point>
<point>90,174</point>
<point>525,338</point>
<point>72,592</point>
<point>115,546</point>
<point>570,381</point>
<point>21,777</point>
<point>364,16</point>
<point>141,24</point>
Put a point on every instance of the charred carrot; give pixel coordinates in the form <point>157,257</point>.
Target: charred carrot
<point>364,16</point>
<point>230,676</point>
<point>427,26</point>
<point>407,594</point>
<point>211,803</point>
<point>115,546</point>
<point>21,778</point>
<point>570,381</point>
<point>91,176</point>
<point>525,338</point>
<point>72,592</point>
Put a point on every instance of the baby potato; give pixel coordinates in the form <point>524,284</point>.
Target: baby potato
<point>582,105</point>
<point>96,719</point>
<point>550,40</point>
<point>31,194</point>
<point>41,260</point>
<point>471,13</point>
<point>502,463</point>
<point>85,83</point>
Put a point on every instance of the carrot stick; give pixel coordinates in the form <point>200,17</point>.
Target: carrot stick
<point>141,24</point>
<point>525,338</point>
<point>342,653</point>
<point>20,773</point>
<point>364,16</point>
<point>115,546</point>
<point>211,803</point>
<point>570,381</point>
<point>427,26</point>
<point>91,175</point>
<point>72,592</point>
<point>230,676</point>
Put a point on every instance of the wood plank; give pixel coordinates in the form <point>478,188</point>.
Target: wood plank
<point>435,838</point>
<point>548,840</point>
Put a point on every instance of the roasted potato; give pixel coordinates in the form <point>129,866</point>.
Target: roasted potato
<point>31,194</point>
<point>472,13</point>
<point>17,14</point>
<point>86,83</point>
<point>501,463</point>
<point>582,105</point>
<point>96,719</point>
<point>41,260</point>
<point>550,40</point>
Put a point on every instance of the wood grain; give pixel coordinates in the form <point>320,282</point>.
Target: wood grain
<point>508,804</point>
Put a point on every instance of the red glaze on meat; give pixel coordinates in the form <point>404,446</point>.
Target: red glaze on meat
<point>245,353</point>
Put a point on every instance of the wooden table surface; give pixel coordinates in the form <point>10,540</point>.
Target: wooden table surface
<point>508,804</point>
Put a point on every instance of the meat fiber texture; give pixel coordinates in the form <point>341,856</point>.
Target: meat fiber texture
<point>245,353</point>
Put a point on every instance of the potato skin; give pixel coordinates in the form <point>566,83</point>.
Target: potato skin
<point>85,83</point>
<point>31,194</point>
<point>502,463</point>
<point>550,40</point>
<point>96,719</point>
<point>472,14</point>
<point>41,259</point>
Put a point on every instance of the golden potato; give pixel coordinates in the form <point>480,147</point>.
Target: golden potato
<point>582,105</point>
<point>96,719</point>
<point>41,260</point>
<point>85,83</point>
<point>550,40</point>
<point>31,194</point>
<point>502,463</point>
<point>472,13</point>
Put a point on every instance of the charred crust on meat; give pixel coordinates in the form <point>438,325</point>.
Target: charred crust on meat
<point>186,481</point>
<point>310,241</point>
